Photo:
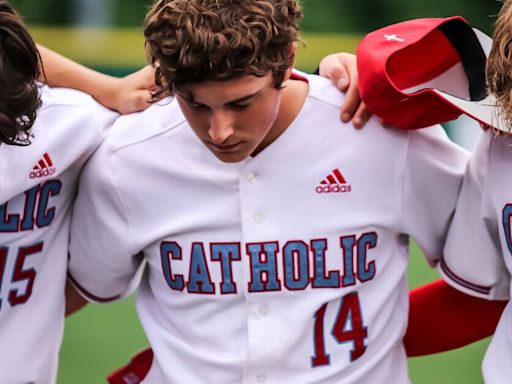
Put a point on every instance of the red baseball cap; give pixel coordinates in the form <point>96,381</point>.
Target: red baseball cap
<point>423,72</point>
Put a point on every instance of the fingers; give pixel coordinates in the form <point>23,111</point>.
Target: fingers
<point>134,101</point>
<point>352,101</point>
<point>353,107</point>
<point>361,116</point>
<point>333,67</point>
<point>340,79</point>
<point>142,79</point>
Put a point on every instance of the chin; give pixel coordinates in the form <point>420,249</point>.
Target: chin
<point>235,157</point>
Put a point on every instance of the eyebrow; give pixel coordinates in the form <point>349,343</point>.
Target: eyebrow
<point>242,99</point>
<point>190,98</point>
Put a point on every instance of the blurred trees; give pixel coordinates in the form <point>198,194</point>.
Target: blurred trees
<point>321,15</point>
<point>367,15</point>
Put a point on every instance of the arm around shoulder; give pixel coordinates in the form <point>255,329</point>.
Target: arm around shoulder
<point>124,95</point>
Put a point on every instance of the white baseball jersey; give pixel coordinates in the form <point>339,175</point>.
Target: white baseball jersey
<point>38,185</point>
<point>287,267</point>
<point>478,254</point>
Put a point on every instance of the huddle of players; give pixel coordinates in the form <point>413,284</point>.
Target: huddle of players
<point>270,281</point>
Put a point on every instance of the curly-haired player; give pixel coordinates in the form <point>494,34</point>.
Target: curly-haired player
<point>40,159</point>
<point>271,252</point>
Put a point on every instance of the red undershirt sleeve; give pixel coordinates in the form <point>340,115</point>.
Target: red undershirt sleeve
<point>442,318</point>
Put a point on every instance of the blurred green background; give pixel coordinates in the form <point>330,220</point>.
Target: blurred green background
<point>107,35</point>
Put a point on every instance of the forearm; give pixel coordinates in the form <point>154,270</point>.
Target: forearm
<point>74,301</point>
<point>59,71</point>
<point>442,318</point>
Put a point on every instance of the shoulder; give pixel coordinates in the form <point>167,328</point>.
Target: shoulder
<point>322,90</point>
<point>497,147</point>
<point>63,97</point>
<point>159,119</point>
<point>71,107</point>
<point>492,158</point>
<point>433,146</point>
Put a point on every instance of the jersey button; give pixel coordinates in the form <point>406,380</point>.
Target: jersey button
<point>251,176</point>
<point>261,378</point>
<point>263,309</point>
<point>259,218</point>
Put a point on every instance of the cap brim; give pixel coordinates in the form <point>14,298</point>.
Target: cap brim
<point>484,111</point>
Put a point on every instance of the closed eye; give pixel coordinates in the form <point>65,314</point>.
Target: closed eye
<point>239,107</point>
<point>193,105</point>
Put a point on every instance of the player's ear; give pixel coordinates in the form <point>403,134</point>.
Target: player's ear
<point>293,50</point>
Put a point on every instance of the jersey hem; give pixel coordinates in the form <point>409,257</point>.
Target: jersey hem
<point>459,282</point>
<point>88,295</point>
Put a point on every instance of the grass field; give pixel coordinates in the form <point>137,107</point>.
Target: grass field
<point>101,338</point>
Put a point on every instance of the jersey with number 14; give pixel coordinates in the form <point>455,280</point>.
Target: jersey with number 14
<point>288,267</point>
<point>38,185</point>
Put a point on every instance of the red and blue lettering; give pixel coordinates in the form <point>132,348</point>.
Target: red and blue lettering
<point>263,259</point>
<point>199,280</point>
<point>172,250</point>
<point>38,196</point>
<point>506,216</point>
<point>226,253</point>
<point>17,295</point>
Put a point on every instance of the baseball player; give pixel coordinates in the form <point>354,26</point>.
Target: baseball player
<point>477,257</point>
<point>40,170</point>
<point>41,159</point>
<point>40,164</point>
<point>479,241</point>
<point>272,254</point>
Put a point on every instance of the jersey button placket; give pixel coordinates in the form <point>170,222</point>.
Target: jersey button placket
<point>251,177</point>
<point>252,220</point>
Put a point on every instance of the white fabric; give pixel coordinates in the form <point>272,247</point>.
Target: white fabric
<point>477,257</point>
<point>68,128</point>
<point>153,186</point>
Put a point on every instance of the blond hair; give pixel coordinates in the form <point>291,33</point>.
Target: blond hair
<point>499,63</point>
<point>199,40</point>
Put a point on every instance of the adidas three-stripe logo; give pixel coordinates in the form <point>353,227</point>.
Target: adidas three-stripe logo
<point>44,167</point>
<point>334,183</point>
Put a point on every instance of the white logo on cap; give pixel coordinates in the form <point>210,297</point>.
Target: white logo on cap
<point>394,38</point>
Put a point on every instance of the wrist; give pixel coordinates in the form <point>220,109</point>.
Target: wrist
<point>107,92</point>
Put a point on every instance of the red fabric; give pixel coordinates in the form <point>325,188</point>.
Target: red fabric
<point>298,76</point>
<point>135,371</point>
<point>399,56</point>
<point>442,318</point>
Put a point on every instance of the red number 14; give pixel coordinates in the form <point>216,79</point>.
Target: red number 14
<point>348,327</point>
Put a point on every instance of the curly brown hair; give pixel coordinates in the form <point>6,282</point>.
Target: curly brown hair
<point>198,40</point>
<point>19,70</point>
<point>499,63</point>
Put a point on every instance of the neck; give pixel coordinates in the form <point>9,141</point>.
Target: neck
<point>293,95</point>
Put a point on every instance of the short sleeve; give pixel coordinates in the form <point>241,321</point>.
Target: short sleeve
<point>101,263</point>
<point>431,184</point>
<point>473,261</point>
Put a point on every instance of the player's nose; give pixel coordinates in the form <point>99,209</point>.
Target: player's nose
<point>221,127</point>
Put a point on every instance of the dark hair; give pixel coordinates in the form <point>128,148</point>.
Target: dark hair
<point>19,70</point>
<point>198,40</point>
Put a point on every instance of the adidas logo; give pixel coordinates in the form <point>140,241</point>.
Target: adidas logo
<point>43,168</point>
<point>334,183</point>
